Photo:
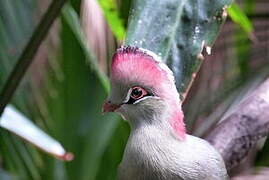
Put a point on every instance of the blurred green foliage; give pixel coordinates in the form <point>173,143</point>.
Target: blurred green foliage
<point>238,16</point>
<point>112,13</point>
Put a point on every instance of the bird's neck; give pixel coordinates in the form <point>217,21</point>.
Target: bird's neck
<point>168,121</point>
<point>176,120</point>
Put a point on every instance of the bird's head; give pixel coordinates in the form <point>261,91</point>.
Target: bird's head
<point>143,90</point>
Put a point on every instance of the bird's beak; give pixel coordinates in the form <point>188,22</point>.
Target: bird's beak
<point>108,107</point>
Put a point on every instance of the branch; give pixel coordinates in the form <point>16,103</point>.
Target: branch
<point>261,174</point>
<point>29,52</point>
<point>240,131</point>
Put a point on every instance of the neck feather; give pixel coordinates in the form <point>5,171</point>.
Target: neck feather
<point>168,118</point>
<point>176,121</point>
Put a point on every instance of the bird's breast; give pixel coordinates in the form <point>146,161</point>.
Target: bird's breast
<point>161,157</point>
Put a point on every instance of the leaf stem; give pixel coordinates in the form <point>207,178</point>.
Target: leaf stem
<point>29,52</point>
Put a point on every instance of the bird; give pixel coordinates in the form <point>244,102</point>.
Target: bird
<point>144,93</point>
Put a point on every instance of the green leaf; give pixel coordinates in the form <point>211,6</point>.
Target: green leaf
<point>262,157</point>
<point>177,31</point>
<point>114,153</point>
<point>198,28</point>
<point>249,6</point>
<point>240,18</point>
<point>112,16</point>
<point>77,106</point>
<point>153,23</point>
<point>72,19</point>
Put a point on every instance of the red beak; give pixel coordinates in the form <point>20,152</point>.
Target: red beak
<point>108,107</point>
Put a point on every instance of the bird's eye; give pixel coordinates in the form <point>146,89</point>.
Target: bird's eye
<point>138,93</point>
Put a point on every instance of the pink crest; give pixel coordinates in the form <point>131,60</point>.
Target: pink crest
<point>132,64</point>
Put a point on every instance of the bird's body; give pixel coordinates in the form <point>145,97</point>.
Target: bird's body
<point>152,154</point>
<point>143,91</point>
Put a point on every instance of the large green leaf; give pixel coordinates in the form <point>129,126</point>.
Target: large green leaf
<point>70,101</point>
<point>199,26</point>
<point>76,108</point>
<point>72,19</point>
<point>153,23</point>
<point>177,31</point>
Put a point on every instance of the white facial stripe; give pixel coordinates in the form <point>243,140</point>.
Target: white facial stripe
<point>128,96</point>
<point>146,97</point>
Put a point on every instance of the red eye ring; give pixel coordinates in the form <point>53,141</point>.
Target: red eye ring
<point>138,92</point>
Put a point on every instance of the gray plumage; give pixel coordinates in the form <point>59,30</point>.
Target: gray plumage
<point>155,155</point>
